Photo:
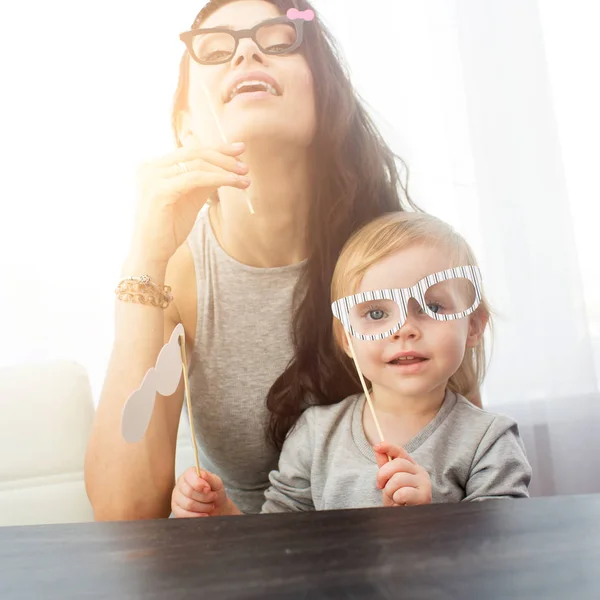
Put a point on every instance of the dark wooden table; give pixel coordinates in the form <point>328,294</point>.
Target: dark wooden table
<point>546,548</point>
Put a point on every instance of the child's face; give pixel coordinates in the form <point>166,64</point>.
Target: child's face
<point>439,346</point>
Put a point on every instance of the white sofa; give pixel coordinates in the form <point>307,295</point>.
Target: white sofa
<point>46,412</point>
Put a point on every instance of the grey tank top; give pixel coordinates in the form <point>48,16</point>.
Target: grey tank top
<point>242,345</point>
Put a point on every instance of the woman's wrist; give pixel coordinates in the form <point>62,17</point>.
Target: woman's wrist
<point>136,265</point>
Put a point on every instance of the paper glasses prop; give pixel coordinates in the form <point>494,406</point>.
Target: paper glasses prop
<point>217,45</point>
<point>163,378</point>
<point>375,315</point>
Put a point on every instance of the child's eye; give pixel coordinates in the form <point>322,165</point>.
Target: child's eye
<point>434,307</point>
<point>376,315</point>
<point>373,312</point>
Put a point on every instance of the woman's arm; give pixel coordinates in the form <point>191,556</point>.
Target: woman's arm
<point>134,481</point>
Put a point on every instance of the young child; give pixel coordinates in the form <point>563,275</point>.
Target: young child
<point>410,311</point>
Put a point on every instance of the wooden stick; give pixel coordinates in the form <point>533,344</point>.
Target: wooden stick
<point>216,118</point>
<point>364,385</point>
<point>189,401</point>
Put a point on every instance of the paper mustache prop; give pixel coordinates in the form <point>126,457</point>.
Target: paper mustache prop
<point>164,379</point>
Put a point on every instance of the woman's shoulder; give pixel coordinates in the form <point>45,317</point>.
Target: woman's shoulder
<point>200,240</point>
<point>181,278</point>
<point>185,269</point>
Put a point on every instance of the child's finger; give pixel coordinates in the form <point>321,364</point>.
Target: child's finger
<point>181,502</point>
<point>398,465</point>
<point>189,492</point>
<point>381,459</point>
<point>180,513</point>
<point>196,483</point>
<point>407,496</point>
<point>393,451</point>
<point>214,481</point>
<point>398,481</point>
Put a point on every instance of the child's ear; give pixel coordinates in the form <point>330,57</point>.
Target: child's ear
<point>343,342</point>
<point>477,323</point>
<point>346,348</point>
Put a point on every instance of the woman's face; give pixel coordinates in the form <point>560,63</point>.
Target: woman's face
<point>287,116</point>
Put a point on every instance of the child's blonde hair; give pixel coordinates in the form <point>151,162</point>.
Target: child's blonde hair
<point>397,231</point>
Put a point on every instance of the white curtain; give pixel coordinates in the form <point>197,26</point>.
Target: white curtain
<point>492,103</point>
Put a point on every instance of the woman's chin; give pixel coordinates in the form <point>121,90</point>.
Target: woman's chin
<point>264,124</point>
<point>267,135</point>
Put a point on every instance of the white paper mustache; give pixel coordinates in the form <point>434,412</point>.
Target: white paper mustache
<point>163,378</point>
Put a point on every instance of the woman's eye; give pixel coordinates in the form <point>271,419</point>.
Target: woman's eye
<point>278,48</point>
<point>217,54</point>
<point>434,307</point>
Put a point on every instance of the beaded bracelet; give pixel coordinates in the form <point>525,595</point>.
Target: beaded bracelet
<point>143,290</point>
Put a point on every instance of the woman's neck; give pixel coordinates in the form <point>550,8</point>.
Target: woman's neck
<point>275,235</point>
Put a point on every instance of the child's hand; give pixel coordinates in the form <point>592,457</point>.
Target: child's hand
<point>403,481</point>
<point>203,496</point>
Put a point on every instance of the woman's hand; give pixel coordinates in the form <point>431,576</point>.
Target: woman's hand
<point>403,481</point>
<point>202,496</point>
<point>173,189</point>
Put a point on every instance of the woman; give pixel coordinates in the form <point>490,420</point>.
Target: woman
<point>251,290</point>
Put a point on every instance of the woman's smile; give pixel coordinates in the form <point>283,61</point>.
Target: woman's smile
<point>257,84</point>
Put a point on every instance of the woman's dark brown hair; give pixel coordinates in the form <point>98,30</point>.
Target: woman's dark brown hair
<point>356,179</point>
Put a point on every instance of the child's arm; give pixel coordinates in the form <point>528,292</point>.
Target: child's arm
<point>290,489</point>
<point>203,496</point>
<point>500,467</point>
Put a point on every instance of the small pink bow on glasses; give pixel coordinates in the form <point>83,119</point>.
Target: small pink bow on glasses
<point>300,15</point>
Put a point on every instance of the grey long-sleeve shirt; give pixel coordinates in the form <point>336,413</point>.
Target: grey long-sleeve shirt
<point>327,462</point>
